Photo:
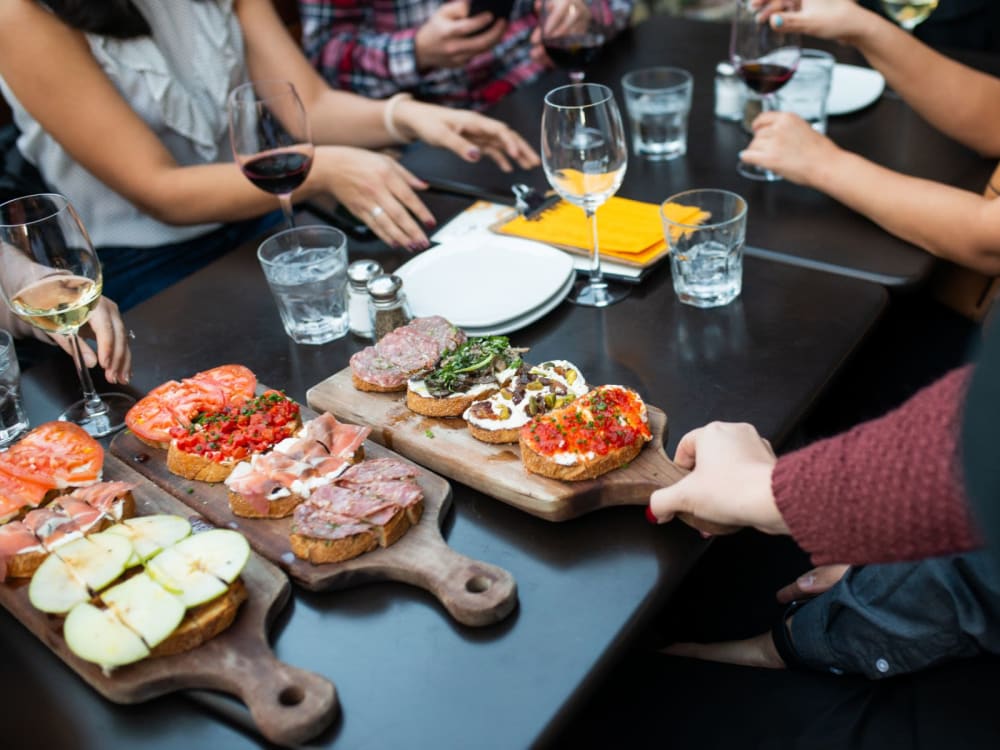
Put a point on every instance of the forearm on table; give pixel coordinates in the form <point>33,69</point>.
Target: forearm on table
<point>959,101</point>
<point>890,489</point>
<point>950,223</point>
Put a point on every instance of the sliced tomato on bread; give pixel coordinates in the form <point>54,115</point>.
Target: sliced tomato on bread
<point>55,455</point>
<point>16,493</point>
<point>237,382</point>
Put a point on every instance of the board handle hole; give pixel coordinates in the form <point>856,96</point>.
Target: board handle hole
<point>291,696</point>
<point>478,584</point>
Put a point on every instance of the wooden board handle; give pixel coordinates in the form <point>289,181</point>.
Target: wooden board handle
<point>474,593</point>
<point>288,705</point>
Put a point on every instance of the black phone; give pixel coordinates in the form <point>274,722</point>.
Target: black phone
<point>334,213</point>
<point>499,8</point>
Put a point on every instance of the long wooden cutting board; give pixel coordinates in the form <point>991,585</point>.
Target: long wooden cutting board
<point>288,705</point>
<point>473,592</point>
<point>447,447</point>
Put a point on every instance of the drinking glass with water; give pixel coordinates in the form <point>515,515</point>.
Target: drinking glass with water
<point>13,422</point>
<point>306,269</point>
<point>706,260</point>
<point>658,101</point>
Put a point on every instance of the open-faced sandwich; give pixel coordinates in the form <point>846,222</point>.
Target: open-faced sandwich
<point>475,370</point>
<point>602,430</point>
<point>402,353</point>
<point>534,390</point>
<point>145,587</point>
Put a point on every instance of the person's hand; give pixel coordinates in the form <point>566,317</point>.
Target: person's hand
<point>378,190</point>
<point>813,583</point>
<point>730,481</point>
<point>106,327</point>
<point>785,143</point>
<point>450,37</point>
<point>758,651</point>
<point>468,134</point>
<point>842,20</point>
<point>563,17</point>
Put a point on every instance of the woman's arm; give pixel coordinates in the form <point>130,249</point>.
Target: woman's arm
<point>950,223</point>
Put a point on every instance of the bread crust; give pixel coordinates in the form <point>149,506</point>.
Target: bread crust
<point>446,406</point>
<point>536,463</point>
<point>279,508</point>
<point>204,622</point>
<point>497,437</point>
<point>319,551</point>
<point>364,385</point>
<point>199,468</point>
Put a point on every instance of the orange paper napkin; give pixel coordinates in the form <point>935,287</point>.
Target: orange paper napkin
<point>628,230</point>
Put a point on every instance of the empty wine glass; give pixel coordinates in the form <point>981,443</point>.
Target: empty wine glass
<point>765,59</point>
<point>269,133</point>
<point>584,157</point>
<point>909,13</point>
<point>573,32</point>
<point>52,280</point>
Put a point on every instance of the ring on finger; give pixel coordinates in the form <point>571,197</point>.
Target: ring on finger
<point>376,212</point>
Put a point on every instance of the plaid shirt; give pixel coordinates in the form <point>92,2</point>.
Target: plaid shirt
<point>368,47</point>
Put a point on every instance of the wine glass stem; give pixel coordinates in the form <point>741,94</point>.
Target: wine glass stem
<point>92,402</point>
<point>286,209</point>
<point>595,257</point>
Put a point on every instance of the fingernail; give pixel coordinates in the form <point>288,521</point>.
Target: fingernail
<point>651,517</point>
<point>431,222</point>
<point>414,246</point>
<point>474,153</point>
<point>777,21</point>
<point>705,535</point>
<point>741,154</point>
<point>806,581</point>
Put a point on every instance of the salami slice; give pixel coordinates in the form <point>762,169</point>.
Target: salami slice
<point>377,470</point>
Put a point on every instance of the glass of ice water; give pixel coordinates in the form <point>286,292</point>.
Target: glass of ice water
<point>306,269</point>
<point>658,101</point>
<point>706,259</point>
<point>13,422</point>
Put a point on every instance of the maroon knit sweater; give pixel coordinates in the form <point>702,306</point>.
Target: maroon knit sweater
<point>890,489</point>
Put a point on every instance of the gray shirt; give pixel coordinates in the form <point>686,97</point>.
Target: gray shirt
<point>177,81</point>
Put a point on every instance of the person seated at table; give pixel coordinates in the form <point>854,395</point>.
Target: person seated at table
<point>435,50</point>
<point>122,108</point>
<point>963,103</point>
<point>959,24</point>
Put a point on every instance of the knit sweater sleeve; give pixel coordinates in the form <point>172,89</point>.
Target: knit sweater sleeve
<point>890,489</point>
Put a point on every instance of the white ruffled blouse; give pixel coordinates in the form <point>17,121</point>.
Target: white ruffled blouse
<point>177,81</point>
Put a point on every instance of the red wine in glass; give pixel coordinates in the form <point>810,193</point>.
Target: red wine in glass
<point>574,52</point>
<point>765,78</point>
<point>279,171</point>
<point>574,31</point>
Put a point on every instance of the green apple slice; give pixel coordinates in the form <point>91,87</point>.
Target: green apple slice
<point>145,607</point>
<point>150,534</point>
<point>176,572</point>
<point>98,559</point>
<point>96,635</point>
<point>54,588</point>
<point>221,552</point>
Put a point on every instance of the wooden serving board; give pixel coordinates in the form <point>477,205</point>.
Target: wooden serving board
<point>288,705</point>
<point>473,592</point>
<point>446,446</point>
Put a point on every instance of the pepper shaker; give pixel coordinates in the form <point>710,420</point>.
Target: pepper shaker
<point>359,273</point>
<point>387,304</point>
<point>729,93</point>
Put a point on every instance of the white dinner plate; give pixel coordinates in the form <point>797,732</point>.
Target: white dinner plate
<point>853,88</point>
<point>522,321</point>
<point>487,283</point>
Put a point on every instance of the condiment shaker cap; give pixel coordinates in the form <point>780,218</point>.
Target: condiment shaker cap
<point>384,288</point>
<point>725,69</point>
<point>361,271</point>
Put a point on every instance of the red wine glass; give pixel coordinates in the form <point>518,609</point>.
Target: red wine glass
<point>573,32</point>
<point>765,58</point>
<point>269,133</point>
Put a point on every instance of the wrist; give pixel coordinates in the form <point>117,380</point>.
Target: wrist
<point>395,125</point>
<point>770,520</point>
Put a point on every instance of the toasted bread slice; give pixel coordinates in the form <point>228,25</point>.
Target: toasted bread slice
<point>279,508</point>
<point>204,622</point>
<point>318,551</point>
<point>199,468</point>
<point>497,437</point>
<point>447,406</point>
<point>364,385</point>
<point>536,463</point>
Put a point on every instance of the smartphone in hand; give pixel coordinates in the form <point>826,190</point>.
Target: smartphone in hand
<point>499,8</point>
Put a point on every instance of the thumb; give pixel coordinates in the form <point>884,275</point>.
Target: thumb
<point>667,502</point>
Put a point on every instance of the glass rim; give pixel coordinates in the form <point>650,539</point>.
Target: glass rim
<point>275,239</point>
<point>57,198</point>
<point>709,225</point>
<point>606,94</point>
<point>251,85</point>
<point>688,79</point>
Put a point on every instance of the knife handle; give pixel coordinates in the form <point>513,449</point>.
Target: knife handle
<point>452,187</point>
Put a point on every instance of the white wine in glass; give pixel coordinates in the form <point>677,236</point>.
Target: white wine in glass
<point>909,13</point>
<point>52,280</point>
<point>584,157</point>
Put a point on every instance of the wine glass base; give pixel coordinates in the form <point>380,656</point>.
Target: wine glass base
<point>598,294</point>
<point>760,174</point>
<point>107,422</point>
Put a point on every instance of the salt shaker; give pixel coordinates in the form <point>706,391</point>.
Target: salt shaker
<point>387,304</point>
<point>729,93</point>
<point>359,273</point>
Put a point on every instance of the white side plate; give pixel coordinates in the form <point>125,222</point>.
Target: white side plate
<point>853,88</point>
<point>482,283</point>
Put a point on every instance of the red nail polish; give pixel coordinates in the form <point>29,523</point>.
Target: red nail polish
<point>650,515</point>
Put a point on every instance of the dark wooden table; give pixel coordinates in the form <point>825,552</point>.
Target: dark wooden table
<point>785,222</point>
<point>407,675</point>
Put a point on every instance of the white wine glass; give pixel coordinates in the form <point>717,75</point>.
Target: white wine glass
<point>52,280</point>
<point>574,31</point>
<point>584,157</point>
<point>909,13</point>
<point>270,137</point>
<point>766,59</point>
